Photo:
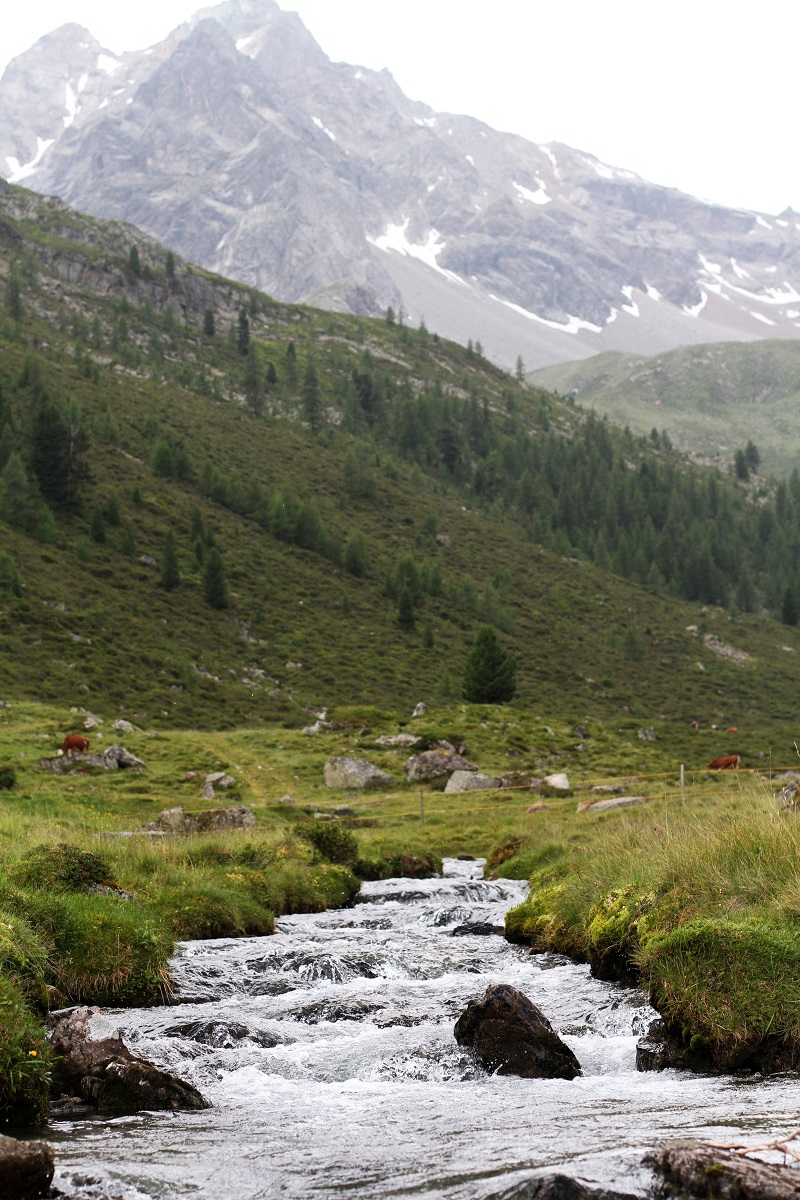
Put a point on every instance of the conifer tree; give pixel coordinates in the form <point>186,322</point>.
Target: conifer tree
<point>14,297</point>
<point>134,263</point>
<point>215,589</point>
<point>405,610</point>
<point>170,567</point>
<point>312,400</point>
<point>57,457</point>
<point>489,671</point>
<point>209,324</point>
<point>243,332</point>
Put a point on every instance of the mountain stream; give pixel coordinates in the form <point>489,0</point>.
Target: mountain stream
<point>328,1053</point>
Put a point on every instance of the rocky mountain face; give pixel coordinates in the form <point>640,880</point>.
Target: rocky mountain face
<point>240,144</point>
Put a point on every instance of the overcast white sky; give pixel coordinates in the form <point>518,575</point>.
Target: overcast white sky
<point>695,94</point>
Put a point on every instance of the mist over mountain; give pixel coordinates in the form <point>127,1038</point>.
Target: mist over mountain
<point>240,144</point>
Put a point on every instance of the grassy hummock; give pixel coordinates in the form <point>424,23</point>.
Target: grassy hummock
<point>702,903</point>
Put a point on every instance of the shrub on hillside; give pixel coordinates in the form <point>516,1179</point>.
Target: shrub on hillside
<point>332,842</point>
<point>8,777</point>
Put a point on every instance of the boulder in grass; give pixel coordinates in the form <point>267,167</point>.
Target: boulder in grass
<point>597,806</point>
<point>511,1036</point>
<point>436,764</point>
<point>558,782</point>
<point>354,773</point>
<point>104,1074</point>
<point>472,781</point>
<point>175,820</point>
<point>26,1168</point>
<point>521,780</point>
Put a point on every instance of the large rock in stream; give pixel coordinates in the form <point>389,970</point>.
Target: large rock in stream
<point>104,1074</point>
<point>558,1187</point>
<point>708,1173</point>
<point>511,1036</point>
<point>26,1169</point>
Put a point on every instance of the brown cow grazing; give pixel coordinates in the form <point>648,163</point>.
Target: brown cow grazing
<point>75,743</point>
<point>732,729</point>
<point>730,763</point>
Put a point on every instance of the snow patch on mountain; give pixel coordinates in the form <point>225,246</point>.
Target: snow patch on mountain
<point>573,324</point>
<point>18,173</point>
<point>786,294</point>
<point>107,64</point>
<point>73,108</point>
<point>319,125</point>
<point>396,238</point>
<point>540,196</point>
<point>695,309</point>
<point>631,307</point>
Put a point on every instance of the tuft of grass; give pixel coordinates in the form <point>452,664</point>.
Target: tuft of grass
<point>24,1060</point>
<point>702,902</point>
<point>63,866</point>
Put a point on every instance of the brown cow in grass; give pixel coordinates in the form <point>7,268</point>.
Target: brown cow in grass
<point>75,743</point>
<point>730,763</point>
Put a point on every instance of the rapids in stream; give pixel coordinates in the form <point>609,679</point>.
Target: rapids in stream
<point>328,1053</point>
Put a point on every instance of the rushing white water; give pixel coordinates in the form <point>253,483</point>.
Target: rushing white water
<point>328,1053</point>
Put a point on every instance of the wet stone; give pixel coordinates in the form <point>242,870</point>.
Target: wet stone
<point>557,1187</point>
<point>478,929</point>
<point>222,1035</point>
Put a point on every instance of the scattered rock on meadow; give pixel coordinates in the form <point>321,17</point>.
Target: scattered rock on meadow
<point>354,773</point>
<point>596,806</point>
<point>702,1171</point>
<point>539,806</point>
<point>123,726</point>
<point>397,739</point>
<point>647,735</point>
<point>117,756</point>
<point>511,1036</point>
<point>175,820</point>
<point>520,779</point>
<point>558,782</point>
<point>105,1074</point>
<point>471,781</point>
<point>788,798</point>
<point>113,758</point>
<point>436,764</point>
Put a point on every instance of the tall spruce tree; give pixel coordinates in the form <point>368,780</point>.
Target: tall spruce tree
<point>215,589</point>
<point>58,448</point>
<point>170,567</point>
<point>489,672</point>
<point>312,398</point>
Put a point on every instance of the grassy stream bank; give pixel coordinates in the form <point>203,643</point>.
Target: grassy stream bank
<point>702,898</point>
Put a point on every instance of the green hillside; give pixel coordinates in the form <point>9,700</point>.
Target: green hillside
<point>375,495</point>
<point>710,400</point>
